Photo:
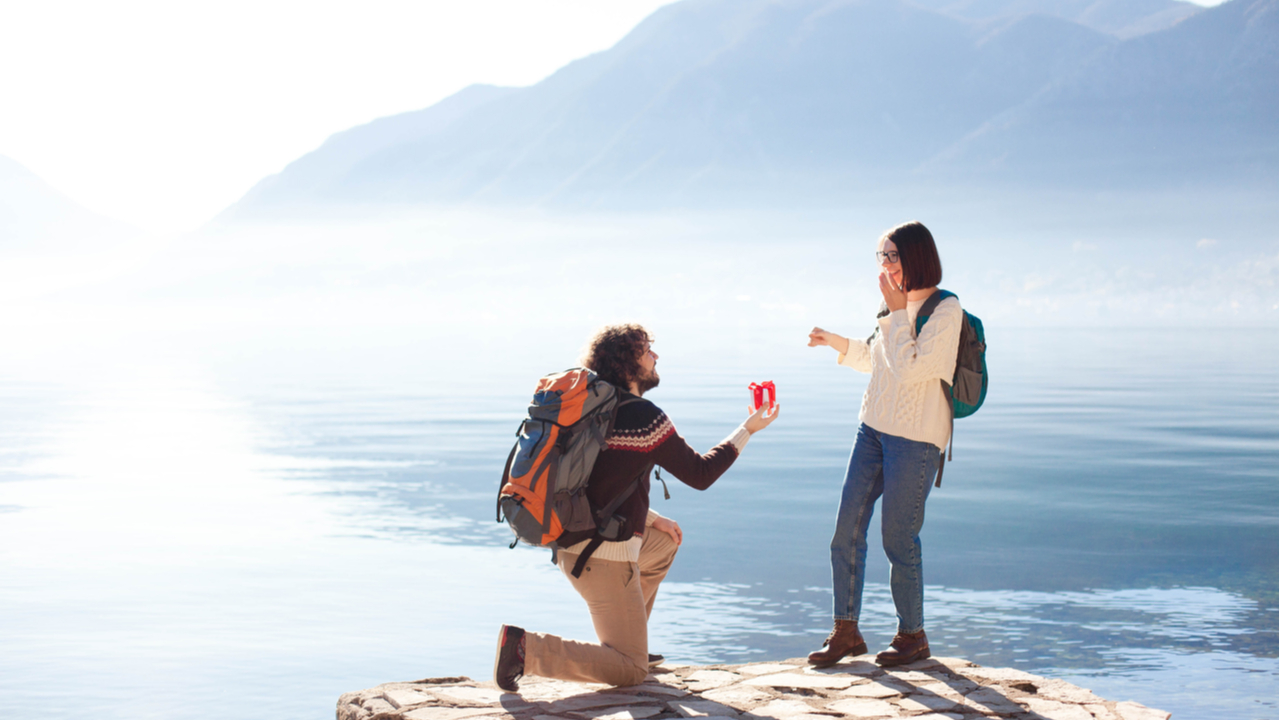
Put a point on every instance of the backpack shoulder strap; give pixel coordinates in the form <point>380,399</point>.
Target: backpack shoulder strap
<point>506,473</point>
<point>591,547</point>
<point>931,304</point>
<point>613,418</point>
<point>604,516</point>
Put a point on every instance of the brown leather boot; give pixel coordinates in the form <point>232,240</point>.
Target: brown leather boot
<point>905,648</point>
<point>844,640</point>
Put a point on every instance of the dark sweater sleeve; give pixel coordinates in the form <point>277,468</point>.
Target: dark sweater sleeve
<point>690,467</point>
<point>644,434</point>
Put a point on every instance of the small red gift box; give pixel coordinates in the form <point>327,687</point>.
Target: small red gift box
<point>763,394</point>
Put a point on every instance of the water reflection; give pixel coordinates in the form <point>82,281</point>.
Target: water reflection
<point>1148,643</point>
<point>1100,474</point>
<point>175,534</point>
<point>150,464</point>
<point>153,553</point>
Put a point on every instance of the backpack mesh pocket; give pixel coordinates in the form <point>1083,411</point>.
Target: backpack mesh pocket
<point>968,387</point>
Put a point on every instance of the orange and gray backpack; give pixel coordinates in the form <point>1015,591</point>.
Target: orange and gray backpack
<point>543,493</point>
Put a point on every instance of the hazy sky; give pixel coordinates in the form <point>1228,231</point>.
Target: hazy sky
<point>162,113</point>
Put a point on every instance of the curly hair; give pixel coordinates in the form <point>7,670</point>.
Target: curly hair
<point>614,353</point>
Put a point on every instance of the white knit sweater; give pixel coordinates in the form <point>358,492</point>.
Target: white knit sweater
<point>904,397</point>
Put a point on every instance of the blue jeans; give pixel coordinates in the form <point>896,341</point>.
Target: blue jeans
<point>902,471</point>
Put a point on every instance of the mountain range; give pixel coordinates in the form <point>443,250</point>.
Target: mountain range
<point>35,217</point>
<point>755,102</point>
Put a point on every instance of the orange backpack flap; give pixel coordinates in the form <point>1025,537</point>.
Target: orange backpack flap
<point>543,490</point>
<point>560,397</point>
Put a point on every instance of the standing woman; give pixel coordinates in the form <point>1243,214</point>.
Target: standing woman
<point>904,424</point>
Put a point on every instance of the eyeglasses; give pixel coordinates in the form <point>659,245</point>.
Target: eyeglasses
<point>892,256</point>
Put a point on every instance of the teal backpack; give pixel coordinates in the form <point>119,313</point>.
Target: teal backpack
<point>968,387</point>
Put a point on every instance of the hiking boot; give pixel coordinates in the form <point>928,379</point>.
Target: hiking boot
<point>905,648</point>
<point>656,660</point>
<point>844,640</point>
<point>508,664</point>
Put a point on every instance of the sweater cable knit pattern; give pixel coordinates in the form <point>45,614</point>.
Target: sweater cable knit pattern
<point>904,397</point>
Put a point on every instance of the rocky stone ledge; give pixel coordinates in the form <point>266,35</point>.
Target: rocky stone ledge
<point>933,689</point>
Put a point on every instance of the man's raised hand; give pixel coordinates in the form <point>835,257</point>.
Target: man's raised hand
<point>760,418</point>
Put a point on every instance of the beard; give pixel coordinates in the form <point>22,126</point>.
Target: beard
<point>645,383</point>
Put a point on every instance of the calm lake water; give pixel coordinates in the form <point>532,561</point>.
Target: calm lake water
<point>246,527</point>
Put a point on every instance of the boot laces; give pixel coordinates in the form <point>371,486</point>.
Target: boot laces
<point>830,637</point>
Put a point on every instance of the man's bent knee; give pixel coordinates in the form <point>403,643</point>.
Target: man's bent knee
<point>659,548</point>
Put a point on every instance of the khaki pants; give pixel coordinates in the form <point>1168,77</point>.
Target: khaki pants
<point>620,597</point>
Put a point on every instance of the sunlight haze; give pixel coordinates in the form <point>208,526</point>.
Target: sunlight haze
<point>161,114</point>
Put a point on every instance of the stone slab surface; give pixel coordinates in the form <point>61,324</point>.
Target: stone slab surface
<point>467,695</point>
<point>637,712</point>
<point>409,697</point>
<point>933,689</point>
<point>702,708</point>
<point>801,680</point>
<point>875,689</point>
<point>916,704</point>
<point>993,699</point>
<point>913,677</point>
<point>1054,710</point>
<point>652,688</point>
<point>549,690</point>
<point>738,697</point>
<point>440,712</point>
<point>783,709</point>
<point>700,680</point>
<point>864,708</point>
<point>1102,712</point>
<point>763,668</point>
<point>942,689</point>
<point>865,668</point>
<point>594,700</point>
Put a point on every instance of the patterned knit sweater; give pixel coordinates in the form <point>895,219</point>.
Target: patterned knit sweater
<point>904,397</point>
<point>642,436</point>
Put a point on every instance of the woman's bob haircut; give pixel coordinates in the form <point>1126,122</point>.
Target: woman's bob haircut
<point>921,267</point>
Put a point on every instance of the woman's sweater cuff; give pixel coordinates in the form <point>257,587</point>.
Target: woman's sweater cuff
<point>739,438</point>
<point>848,358</point>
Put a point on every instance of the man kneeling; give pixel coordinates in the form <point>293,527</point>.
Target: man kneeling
<point>642,436</point>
